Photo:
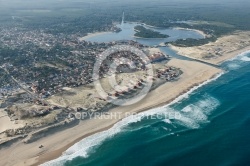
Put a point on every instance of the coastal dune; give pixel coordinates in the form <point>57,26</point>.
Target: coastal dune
<point>223,48</point>
<point>6,123</point>
<point>194,73</point>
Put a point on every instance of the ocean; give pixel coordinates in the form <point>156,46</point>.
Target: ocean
<point>212,129</point>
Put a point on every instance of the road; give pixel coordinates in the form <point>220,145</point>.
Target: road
<point>34,96</point>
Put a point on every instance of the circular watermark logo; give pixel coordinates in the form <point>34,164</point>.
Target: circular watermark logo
<point>107,67</point>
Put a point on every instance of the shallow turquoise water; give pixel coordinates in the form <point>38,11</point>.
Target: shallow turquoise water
<point>213,129</point>
<point>212,126</point>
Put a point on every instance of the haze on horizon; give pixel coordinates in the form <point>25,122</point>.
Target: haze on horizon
<point>57,3</point>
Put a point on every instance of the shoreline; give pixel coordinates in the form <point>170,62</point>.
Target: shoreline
<point>55,144</point>
<point>183,86</point>
<point>230,55</point>
<point>195,30</point>
<point>57,154</point>
<point>219,60</point>
<point>219,51</point>
<point>89,35</point>
<point>195,76</point>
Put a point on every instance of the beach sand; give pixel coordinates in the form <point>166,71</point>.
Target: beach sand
<point>195,30</point>
<point>194,73</point>
<point>224,48</point>
<point>6,123</point>
<point>20,154</point>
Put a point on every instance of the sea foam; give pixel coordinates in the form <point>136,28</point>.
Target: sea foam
<point>240,56</point>
<point>238,61</point>
<point>193,115</point>
<point>245,58</point>
<point>233,66</point>
<point>84,147</point>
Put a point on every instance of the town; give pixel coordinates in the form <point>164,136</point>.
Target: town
<point>38,68</point>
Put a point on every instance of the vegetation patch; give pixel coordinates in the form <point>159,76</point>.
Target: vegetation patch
<point>148,33</point>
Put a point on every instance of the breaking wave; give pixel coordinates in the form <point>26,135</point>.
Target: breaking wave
<point>243,56</point>
<point>236,62</point>
<point>192,116</point>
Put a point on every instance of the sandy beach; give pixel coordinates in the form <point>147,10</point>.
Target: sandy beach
<point>195,30</point>
<point>55,144</point>
<point>218,60</point>
<point>224,48</point>
<point>194,73</point>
